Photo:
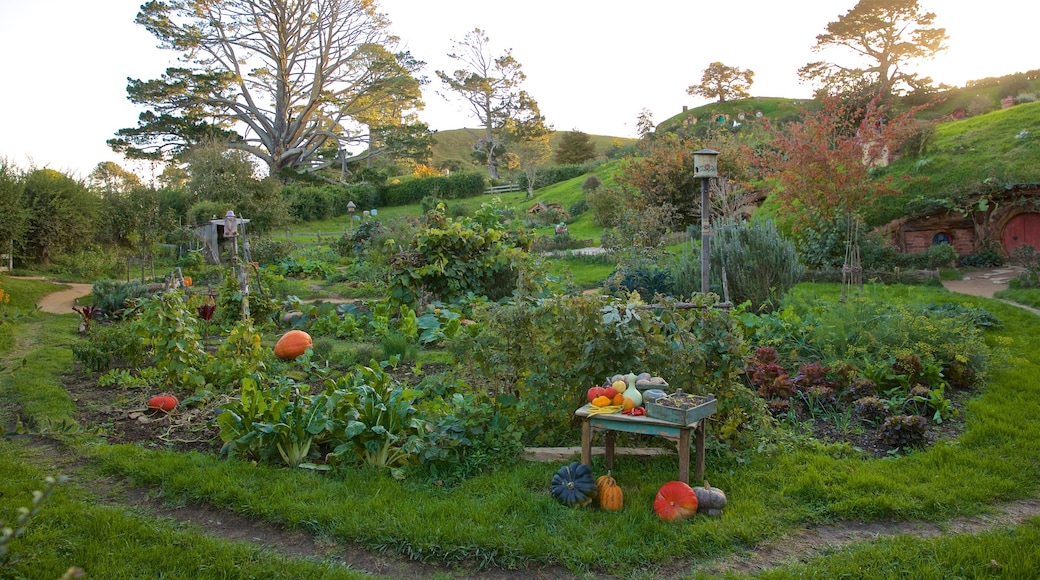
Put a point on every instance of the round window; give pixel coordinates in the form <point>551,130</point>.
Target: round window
<point>942,238</point>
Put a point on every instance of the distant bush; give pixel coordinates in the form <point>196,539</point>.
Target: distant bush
<point>309,204</point>
<point>591,183</point>
<point>988,258</point>
<point>455,186</point>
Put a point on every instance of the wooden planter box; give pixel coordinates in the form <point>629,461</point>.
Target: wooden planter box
<point>703,406</point>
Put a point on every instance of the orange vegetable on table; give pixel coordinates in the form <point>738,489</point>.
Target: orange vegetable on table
<point>601,401</point>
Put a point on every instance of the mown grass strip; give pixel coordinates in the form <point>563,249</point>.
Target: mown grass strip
<point>1007,552</point>
<point>110,542</point>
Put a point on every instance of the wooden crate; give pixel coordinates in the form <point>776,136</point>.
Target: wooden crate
<point>705,406</point>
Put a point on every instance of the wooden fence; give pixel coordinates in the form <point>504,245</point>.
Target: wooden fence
<point>503,188</point>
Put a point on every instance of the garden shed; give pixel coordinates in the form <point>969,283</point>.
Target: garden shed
<point>211,234</point>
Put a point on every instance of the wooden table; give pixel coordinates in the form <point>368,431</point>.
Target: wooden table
<point>613,422</point>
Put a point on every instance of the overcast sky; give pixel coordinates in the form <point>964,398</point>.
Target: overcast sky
<point>591,65</point>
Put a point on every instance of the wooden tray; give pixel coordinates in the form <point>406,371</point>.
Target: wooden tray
<point>705,405</point>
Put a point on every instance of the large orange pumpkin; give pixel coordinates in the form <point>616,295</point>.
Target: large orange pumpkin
<point>164,403</point>
<point>675,500</point>
<point>292,344</point>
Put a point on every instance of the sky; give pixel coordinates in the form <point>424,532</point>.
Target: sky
<point>591,65</point>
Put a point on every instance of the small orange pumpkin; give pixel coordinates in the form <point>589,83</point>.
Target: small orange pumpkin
<point>292,344</point>
<point>609,493</point>
<point>187,281</point>
<point>164,403</point>
<point>611,498</point>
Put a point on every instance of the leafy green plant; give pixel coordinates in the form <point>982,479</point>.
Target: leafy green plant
<point>438,324</point>
<point>385,431</point>
<point>113,297</point>
<point>241,355</point>
<point>277,421</point>
<point>110,344</point>
<point>448,258</point>
<point>167,326</point>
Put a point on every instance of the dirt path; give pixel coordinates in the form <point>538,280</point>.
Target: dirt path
<point>983,283</point>
<point>62,301</point>
<point>986,283</point>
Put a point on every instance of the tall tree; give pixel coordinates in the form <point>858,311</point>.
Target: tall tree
<point>723,82</point>
<point>293,82</point>
<point>491,86</point>
<point>62,214</point>
<point>108,178</point>
<point>574,147</point>
<point>527,137</point>
<point>645,124</point>
<point>889,35</point>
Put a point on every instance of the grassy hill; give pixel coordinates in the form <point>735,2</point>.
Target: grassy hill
<point>772,108</point>
<point>457,144</point>
<point>974,155</point>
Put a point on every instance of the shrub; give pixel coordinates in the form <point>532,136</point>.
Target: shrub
<point>448,258</point>
<point>358,240</point>
<point>577,208</point>
<point>1027,258</point>
<point>904,431</point>
<point>523,348</point>
<point>606,204</point>
<point>760,266</point>
<point>988,258</point>
<point>310,203</point>
<point>113,297</point>
<point>941,256</point>
<point>591,183</point>
<point>267,251</point>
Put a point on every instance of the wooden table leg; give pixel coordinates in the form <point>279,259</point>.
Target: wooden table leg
<point>684,455</point>
<point>699,468</point>
<point>586,442</point>
<point>609,444</point>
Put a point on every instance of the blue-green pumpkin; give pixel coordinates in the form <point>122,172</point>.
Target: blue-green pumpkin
<point>573,485</point>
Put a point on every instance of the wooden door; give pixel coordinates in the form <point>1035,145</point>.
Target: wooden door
<point>1022,229</point>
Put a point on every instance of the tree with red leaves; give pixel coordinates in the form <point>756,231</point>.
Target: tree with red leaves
<point>819,167</point>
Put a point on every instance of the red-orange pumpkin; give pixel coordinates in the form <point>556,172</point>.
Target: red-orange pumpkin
<point>164,403</point>
<point>675,500</point>
<point>292,344</point>
<point>187,281</point>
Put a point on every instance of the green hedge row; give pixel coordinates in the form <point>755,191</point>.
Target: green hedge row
<point>454,186</point>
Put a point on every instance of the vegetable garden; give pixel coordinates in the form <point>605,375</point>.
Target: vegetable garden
<point>412,411</point>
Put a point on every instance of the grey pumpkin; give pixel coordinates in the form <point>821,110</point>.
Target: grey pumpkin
<point>710,500</point>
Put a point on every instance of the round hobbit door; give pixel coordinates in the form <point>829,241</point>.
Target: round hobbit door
<point>1022,229</point>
